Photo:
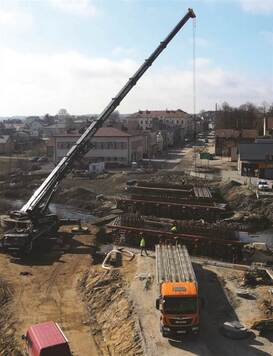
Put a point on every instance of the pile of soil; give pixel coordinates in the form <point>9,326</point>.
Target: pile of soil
<point>78,197</point>
<point>8,344</point>
<point>248,207</point>
<point>112,318</point>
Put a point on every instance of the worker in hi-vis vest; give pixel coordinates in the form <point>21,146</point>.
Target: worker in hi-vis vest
<point>174,227</point>
<point>174,231</point>
<point>142,245</point>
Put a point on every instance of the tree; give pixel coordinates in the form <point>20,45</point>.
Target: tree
<point>226,106</point>
<point>63,112</point>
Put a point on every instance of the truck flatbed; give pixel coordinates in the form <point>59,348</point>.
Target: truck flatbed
<point>173,264</point>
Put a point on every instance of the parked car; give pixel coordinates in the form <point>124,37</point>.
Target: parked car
<point>263,185</point>
<point>42,159</point>
<point>34,159</point>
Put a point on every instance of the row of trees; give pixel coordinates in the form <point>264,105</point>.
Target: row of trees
<point>246,116</point>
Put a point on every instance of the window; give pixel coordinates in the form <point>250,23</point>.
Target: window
<point>64,145</point>
<point>176,305</point>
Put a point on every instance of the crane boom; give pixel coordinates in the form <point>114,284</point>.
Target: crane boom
<point>41,197</point>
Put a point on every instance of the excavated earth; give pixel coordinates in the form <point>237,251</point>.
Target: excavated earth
<point>113,321</point>
<point>246,206</point>
<point>8,342</point>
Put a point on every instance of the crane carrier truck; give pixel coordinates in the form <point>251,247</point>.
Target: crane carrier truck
<point>34,223</point>
<point>178,289</point>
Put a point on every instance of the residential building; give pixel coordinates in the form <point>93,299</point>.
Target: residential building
<point>256,159</point>
<point>110,145</point>
<point>55,129</point>
<point>6,144</point>
<point>177,122</point>
<point>227,141</point>
<point>35,126</point>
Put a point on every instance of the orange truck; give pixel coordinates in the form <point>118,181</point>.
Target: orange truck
<point>178,301</point>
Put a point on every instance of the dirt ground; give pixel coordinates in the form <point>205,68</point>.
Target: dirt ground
<point>221,305</point>
<point>51,289</point>
<point>50,292</point>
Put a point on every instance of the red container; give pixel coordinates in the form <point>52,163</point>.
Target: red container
<point>47,339</point>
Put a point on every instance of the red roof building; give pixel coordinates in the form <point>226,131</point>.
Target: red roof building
<point>110,145</point>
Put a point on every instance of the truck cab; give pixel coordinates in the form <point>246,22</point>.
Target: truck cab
<point>46,339</point>
<point>179,308</point>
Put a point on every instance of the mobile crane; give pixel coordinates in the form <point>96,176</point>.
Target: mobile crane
<point>34,222</point>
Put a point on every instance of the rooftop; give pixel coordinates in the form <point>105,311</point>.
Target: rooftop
<point>111,132</point>
<point>160,113</point>
<point>46,334</point>
<point>102,132</point>
<point>256,151</point>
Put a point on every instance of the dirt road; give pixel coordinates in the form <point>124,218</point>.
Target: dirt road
<point>217,310</point>
<point>50,292</point>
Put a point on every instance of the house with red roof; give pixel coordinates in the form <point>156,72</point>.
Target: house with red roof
<point>110,145</point>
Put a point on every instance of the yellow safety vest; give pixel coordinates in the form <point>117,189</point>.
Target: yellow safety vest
<point>173,229</point>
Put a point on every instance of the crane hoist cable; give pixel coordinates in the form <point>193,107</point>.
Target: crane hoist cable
<point>194,86</point>
<point>194,73</point>
<point>194,65</point>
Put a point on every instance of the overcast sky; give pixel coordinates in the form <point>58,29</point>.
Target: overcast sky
<point>76,54</point>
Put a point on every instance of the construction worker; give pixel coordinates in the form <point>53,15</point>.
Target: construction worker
<point>143,245</point>
<point>174,227</point>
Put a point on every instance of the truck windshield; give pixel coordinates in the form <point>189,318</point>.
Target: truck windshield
<point>176,305</point>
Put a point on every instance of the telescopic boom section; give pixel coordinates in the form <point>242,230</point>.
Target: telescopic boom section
<point>41,197</point>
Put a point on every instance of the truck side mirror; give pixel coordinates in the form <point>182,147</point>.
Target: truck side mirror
<point>157,303</point>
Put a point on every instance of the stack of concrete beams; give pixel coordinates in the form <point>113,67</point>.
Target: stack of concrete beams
<point>202,192</point>
<point>173,264</point>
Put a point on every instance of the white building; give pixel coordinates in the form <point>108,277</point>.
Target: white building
<point>110,145</point>
<point>176,123</point>
<point>148,118</point>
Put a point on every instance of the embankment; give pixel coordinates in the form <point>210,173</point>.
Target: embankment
<point>112,318</point>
